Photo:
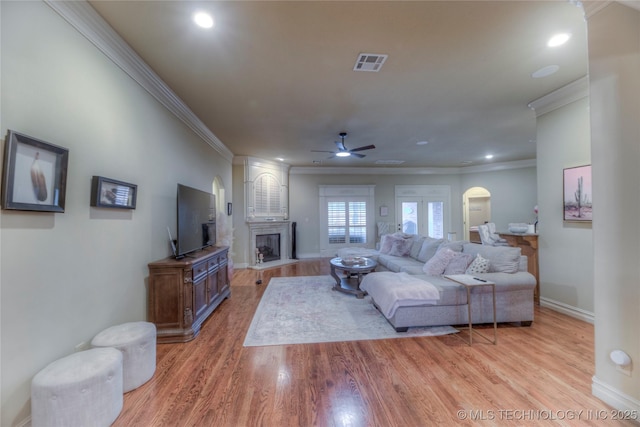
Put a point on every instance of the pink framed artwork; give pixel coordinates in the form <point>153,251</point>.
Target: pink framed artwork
<point>577,194</point>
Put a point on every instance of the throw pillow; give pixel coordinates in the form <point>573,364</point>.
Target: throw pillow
<point>386,241</point>
<point>455,246</point>
<point>395,244</point>
<point>416,245</point>
<point>438,263</point>
<point>459,264</point>
<point>400,247</point>
<point>429,248</point>
<point>479,265</point>
<point>503,259</point>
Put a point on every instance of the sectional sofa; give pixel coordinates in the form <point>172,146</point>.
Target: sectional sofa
<point>407,264</point>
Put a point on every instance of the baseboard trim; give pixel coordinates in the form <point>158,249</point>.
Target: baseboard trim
<point>614,397</point>
<point>310,256</point>
<point>567,309</point>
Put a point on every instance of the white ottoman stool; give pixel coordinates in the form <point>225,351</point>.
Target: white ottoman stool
<point>137,342</point>
<point>82,389</point>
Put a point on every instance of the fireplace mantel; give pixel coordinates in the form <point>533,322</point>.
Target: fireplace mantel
<point>263,222</point>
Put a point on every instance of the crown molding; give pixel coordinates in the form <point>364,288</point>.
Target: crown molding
<point>634,4</point>
<point>91,25</point>
<point>592,7</point>
<point>493,167</point>
<point>560,97</point>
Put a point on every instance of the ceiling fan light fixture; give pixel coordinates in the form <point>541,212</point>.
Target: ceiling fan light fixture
<point>343,154</point>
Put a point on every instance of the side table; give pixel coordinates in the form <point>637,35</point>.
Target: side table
<point>470,282</point>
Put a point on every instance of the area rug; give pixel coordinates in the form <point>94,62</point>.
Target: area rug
<point>299,310</point>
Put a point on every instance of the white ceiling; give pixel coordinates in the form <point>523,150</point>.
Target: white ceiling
<point>275,79</point>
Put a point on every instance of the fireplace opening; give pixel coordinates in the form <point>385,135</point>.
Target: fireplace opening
<point>268,245</point>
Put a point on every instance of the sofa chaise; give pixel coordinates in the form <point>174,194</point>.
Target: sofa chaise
<point>409,264</point>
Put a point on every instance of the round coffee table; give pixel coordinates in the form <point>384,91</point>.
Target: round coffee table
<point>352,272</point>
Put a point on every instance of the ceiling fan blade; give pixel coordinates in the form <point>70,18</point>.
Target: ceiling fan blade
<point>357,155</point>
<point>321,151</point>
<point>340,145</point>
<point>366,147</point>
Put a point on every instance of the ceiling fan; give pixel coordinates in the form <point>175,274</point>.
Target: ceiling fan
<point>343,151</point>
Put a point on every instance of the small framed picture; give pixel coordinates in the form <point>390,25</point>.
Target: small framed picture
<point>35,174</point>
<point>110,193</point>
<point>384,211</point>
<point>577,194</point>
<point>229,209</point>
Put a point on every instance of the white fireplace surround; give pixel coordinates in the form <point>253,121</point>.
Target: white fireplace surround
<point>257,228</point>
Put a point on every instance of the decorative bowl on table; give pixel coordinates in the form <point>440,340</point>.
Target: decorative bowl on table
<point>518,228</point>
<point>349,261</point>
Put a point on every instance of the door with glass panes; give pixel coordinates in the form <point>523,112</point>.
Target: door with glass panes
<point>423,210</point>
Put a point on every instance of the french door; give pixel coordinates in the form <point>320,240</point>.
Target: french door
<point>423,209</point>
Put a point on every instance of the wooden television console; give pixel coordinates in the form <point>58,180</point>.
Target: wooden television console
<point>183,293</point>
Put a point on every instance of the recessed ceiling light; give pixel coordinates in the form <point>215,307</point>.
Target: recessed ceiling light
<point>343,154</point>
<point>203,19</point>
<point>545,71</point>
<point>558,39</point>
<point>422,142</point>
<point>489,156</point>
<point>280,159</point>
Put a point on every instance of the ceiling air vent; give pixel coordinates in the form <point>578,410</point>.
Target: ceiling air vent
<point>369,62</point>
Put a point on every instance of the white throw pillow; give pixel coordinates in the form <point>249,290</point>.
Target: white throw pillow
<point>479,265</point>
<point>401,247</point>
<point>459,264</point>
<point>386,242</point>
<point>395,244</point>
<point>438,263</point>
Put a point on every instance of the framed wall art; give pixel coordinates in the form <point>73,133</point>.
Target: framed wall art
<point>34,176</point>
<point>577,194</point>
<point>110,193</point>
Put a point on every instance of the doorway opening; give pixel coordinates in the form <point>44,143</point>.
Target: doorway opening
<point>476,205</point>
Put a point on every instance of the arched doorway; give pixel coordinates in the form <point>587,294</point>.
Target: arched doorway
<point>476,205</point>
<point>217,188</point>
<point>224,226</point>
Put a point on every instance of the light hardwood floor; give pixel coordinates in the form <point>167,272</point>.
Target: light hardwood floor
<point>538,375</point>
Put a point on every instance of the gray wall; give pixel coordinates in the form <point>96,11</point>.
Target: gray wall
<point>66,276</point>
<point>513,194</point>
<point>565,248</point>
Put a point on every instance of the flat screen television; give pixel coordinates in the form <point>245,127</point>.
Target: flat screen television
<point>196,220</point>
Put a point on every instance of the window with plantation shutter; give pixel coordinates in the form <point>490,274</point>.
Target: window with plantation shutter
<point>347,217</point>
<point>267,195</point>
<point>337,214</point>
<point>347,222</point>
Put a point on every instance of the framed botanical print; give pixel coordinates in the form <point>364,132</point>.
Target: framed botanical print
<point>34,177</point>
